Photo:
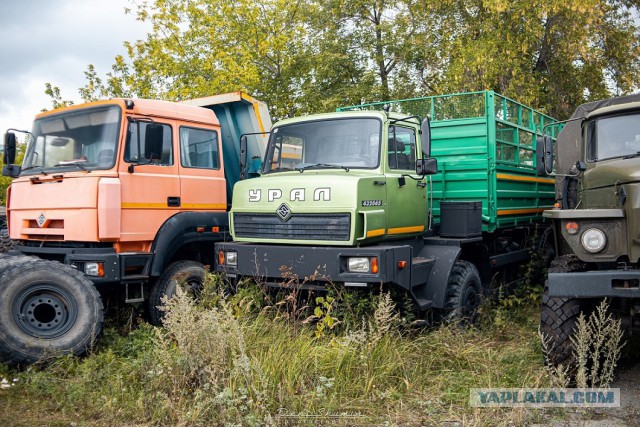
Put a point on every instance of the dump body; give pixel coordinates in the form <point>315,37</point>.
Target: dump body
<point>485,147</point>
<point>238,114</point>
<point>338,214</point>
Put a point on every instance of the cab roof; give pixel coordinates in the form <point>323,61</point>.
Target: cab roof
<point>147,107</point>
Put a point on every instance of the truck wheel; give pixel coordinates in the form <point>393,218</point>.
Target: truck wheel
<point>464,292</point>
<point>46,309</point>
<point>189,275</point>
<point>6,244</point>
<point>557,323</point>
<point>559,316</point>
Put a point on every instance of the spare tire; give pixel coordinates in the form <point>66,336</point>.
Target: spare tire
<point>47,309</point>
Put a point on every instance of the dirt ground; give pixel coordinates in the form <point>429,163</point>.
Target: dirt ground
<point>628,415</point>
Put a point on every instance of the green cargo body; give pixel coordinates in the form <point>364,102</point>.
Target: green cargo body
<point>485,145</point>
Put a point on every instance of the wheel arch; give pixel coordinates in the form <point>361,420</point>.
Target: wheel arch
<point>188,235</point>
<point>445,258</point>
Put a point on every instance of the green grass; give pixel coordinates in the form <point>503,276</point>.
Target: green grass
<point>236,363</point>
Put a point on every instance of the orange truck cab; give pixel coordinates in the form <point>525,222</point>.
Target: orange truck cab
<point>132,193</point>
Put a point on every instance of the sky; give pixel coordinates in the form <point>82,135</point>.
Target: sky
<point>53,41</point>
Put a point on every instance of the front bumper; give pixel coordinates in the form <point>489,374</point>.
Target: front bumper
<point>592,284</point>
<point>118,268</point>
<point>281,265</point>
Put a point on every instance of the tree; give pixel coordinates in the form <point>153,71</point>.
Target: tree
<point>552,54</point>
<point>307,57</point>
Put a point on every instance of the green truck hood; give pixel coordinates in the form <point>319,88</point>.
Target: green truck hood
<point>612,172</point>
<point>310,208</point>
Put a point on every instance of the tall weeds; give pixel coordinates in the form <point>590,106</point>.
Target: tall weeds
<point>227,361</point>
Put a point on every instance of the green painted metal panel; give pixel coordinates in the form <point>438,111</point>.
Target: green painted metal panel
<point>485,146</point>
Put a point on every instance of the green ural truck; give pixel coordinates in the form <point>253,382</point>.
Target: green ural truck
<point>370,195</point>
<point>597,221</point>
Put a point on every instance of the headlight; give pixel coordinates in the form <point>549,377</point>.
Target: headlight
<point>358,265</point>
<point>93,269</point>
<point>594,240</point>
<point>362,265</point>
<point>232,258</point>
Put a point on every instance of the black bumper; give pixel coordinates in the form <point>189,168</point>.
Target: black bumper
<point>591,284</point>
<point>117,267</point>
<point>316,265</point>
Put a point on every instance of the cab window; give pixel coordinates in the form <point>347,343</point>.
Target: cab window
<point>140,149</point>
<point>402,148</point>
<point>199,148</point>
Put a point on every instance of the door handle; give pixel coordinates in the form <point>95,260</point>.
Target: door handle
<point>173,201</point>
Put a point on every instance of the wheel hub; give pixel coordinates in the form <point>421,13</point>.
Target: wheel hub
<point>44,312</point>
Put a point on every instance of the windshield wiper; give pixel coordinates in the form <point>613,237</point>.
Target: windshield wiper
<point>280,169</point>
<point>76,164</point>
<point>303,167</point>
<point>34,167</point>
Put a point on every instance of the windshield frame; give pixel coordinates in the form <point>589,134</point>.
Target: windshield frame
<point>269,152</point>
<point>592,133</point>
<point>108,138</point>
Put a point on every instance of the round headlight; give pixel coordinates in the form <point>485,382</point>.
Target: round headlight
<point>594,240</point>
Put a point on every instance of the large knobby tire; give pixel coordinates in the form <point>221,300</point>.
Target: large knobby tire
<point>189,275</point>
<point>559,317</point>
<point>463,294</point>
<point>46,309</point>
<point>6,244</point>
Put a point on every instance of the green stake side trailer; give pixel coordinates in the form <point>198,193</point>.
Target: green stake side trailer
<point>372,194</point>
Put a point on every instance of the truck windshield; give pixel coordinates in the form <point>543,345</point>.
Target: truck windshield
<point>320,144</point>
<point>83,139</point>
<point>612,137</point>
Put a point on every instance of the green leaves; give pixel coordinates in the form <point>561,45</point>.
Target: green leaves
<point>307,57</point>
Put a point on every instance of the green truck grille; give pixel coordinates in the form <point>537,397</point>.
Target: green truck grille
<point>334,227</point>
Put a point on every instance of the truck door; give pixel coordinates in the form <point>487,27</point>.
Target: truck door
<point>149,178</point>
<point>202,183</point>
<point>406,197</point>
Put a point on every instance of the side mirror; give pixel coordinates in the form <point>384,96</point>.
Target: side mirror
<point>10,144</point>
<point>426,166</point>
<point>425,131</point>
<point>12,171</point>
<point>243,157</point>
<point>153,141</point>
<point>544,155</point>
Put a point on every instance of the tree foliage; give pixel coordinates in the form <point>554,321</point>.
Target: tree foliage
<point>305,57</point>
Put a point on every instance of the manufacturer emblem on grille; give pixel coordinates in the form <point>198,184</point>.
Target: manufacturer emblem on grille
<point>41,220</point>
<point>284,212</point>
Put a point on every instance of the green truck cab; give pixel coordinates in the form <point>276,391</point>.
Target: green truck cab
<point>597,220</point>
<point>373,194</point>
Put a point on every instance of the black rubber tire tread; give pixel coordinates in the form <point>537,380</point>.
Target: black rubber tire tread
<point>545,247</point>
<point>177,272</point>
<point>17,347</point>
<point>6,244</point>
<point>9,260</point>
<point>559,316</point>
<point>464,282</point>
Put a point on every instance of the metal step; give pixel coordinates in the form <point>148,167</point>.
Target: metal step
<point>129,278</point>
<point>136,295</point>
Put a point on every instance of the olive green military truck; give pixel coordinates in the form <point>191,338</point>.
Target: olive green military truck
<point>596,220</point>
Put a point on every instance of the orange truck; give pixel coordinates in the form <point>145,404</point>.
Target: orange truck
<point>123,197</point>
